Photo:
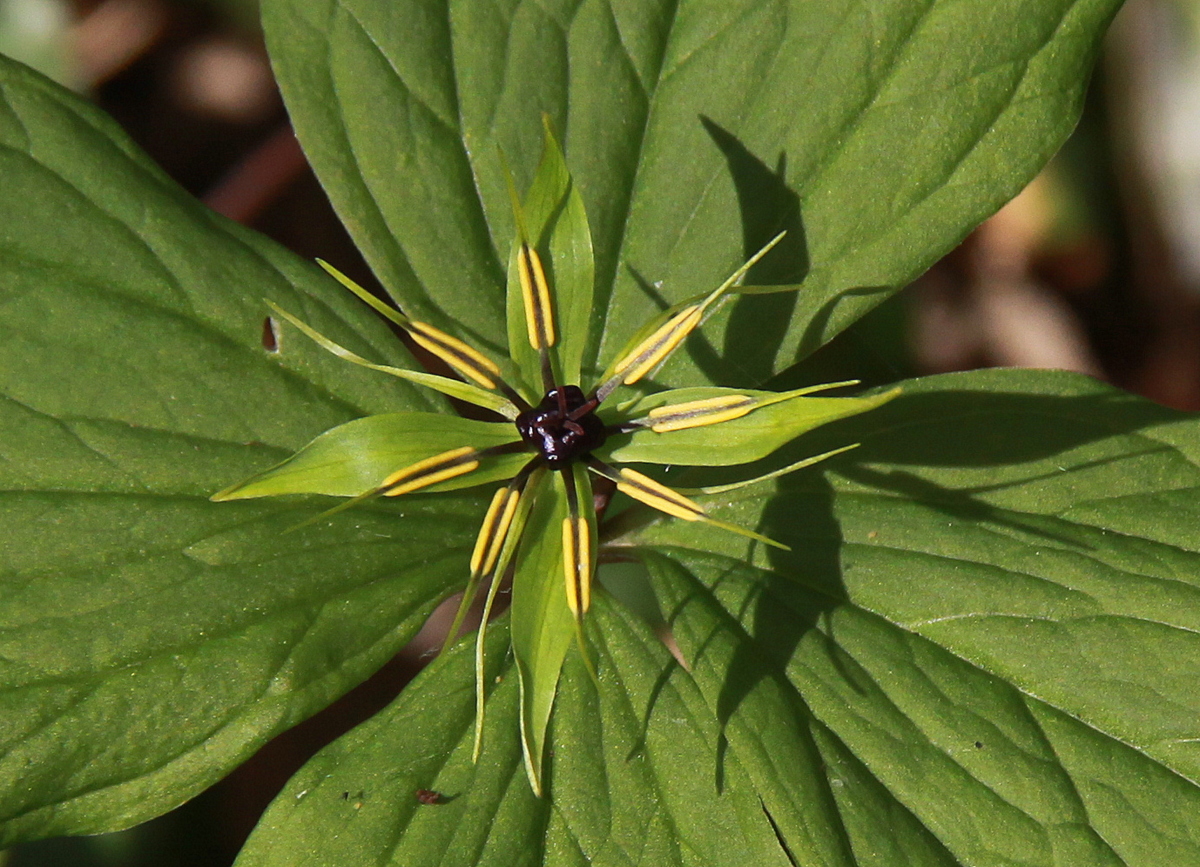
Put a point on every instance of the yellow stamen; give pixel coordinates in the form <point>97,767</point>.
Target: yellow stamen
<point>535,292</point>
<point>697,413</point>
<point>660,344</point>
<point>463,358</point>
<point>577,563</point>
<point>585,564</point>
<point>430,471</point>
<point>674,503</point>
<point>466,360</point>
<point>659,496</point>
<point>506,519</point>
<point>487,535</point>
<point>570,564</point>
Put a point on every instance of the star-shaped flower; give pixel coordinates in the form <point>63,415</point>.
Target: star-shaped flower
<point>553,441</point>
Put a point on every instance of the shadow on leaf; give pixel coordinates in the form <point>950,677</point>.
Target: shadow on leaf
<point>757,324</point>
<point>740,626</point>
<point>987,428</point>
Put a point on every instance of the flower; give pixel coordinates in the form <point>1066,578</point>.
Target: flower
<point>552,441</point>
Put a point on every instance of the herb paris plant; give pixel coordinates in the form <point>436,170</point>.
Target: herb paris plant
<point>980,650</point>
<point>572,434</point>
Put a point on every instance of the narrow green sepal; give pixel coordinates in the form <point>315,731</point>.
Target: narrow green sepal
<point>542,625</point>
<point>775,419</point>
<point>355,458</point>
<point>552,220</point>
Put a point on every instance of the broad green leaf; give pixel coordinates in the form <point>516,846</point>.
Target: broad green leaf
<point>977,651</point>
<point>963,662</point>
<point>989,613</point>
<point>152,640</point>
<point>356,801</point>
<point>625,786</point>
<point>695,131</point>
<point>778,419</point>
<point>542,624</point>
<point>557,224</point>
<point>357,456</point>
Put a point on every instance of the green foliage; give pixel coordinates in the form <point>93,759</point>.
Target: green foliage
<point>963,660</point>
<point>979,649</point>
<point>878,135</point>
<point>988,617</point>
<point>153,639</point>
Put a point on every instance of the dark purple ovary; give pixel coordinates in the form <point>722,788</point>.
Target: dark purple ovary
<point>558,438</point>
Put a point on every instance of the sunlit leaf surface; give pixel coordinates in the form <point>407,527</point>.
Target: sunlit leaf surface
<point>150,639</point>
<point>980,649</point>
<point>876,135</point>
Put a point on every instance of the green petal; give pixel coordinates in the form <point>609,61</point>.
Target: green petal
<point>356,457</point>
<point>777,419</point>
<point>542,625</point>
<point>554,217</point>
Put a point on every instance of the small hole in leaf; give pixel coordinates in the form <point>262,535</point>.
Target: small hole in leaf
<point>270,334</point>
<point>978,745</point>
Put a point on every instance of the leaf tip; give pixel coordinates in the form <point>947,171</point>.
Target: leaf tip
<point>549,138</point>
<point>514,198</point>
<point>230,493</point>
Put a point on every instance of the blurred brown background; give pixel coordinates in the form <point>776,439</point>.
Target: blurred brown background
<point>1095,267</point>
